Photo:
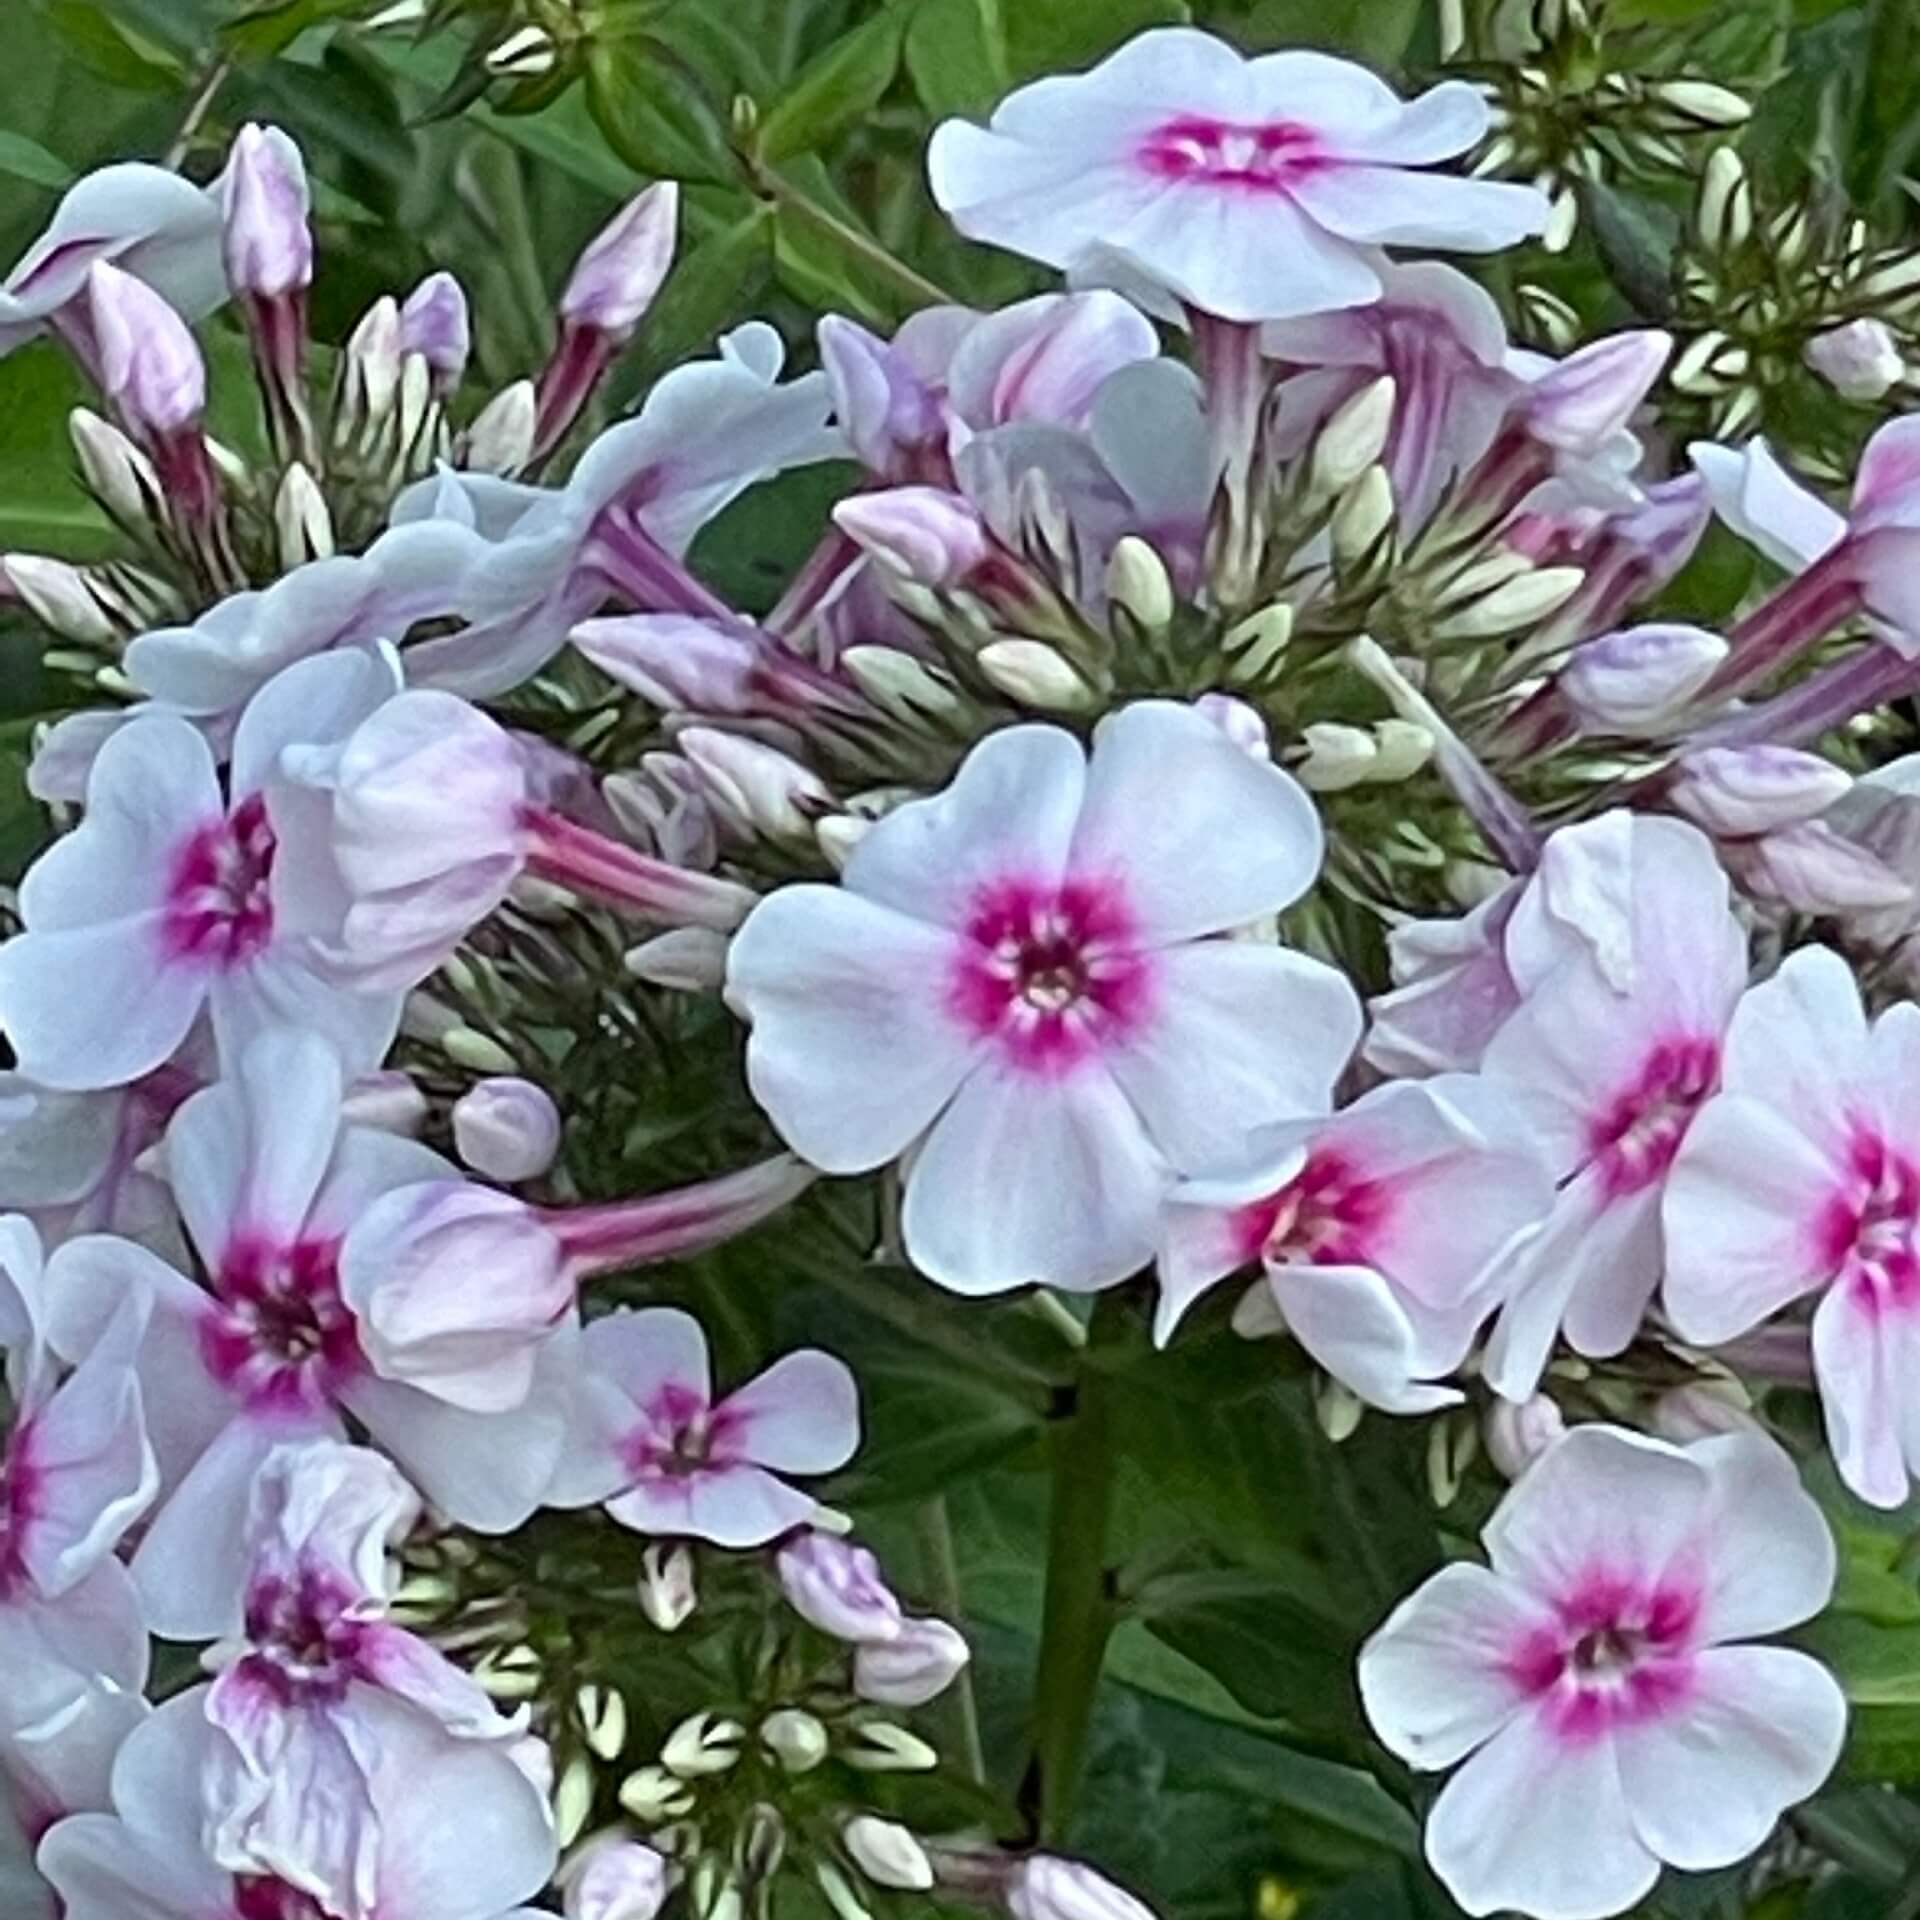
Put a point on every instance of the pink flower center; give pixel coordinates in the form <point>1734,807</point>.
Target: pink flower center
<point>1634,1139</point>
<point>305,1640</point>
<point>1269,156</point>
<point>219,899</point>
<point>1052,973</point>
<point>281,1336</point>
<point>259,1896</point>
<point>20,1486</point>
<point>680,1436</point>
<point>1619,1652</point>
<point>1325,1216</point>
<point>1867,1229</point>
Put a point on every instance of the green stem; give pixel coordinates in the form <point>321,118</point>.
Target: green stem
<point>914,287</point>
<point>940,1576</point>
<point>1078,1614</point>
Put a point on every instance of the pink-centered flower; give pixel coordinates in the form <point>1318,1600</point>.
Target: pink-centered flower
<point>1803,1178</point>
<point>1021,975</point>
<point>1377,1231</point>
<point>651,1443</point>
<point>296,1325</point>
<point>1595,1680</point>
<point>150,1856</point>
<point>170,898</point>
<point>1251,189</point>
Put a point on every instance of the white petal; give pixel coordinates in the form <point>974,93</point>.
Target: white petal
<point>1538,1825</point>
<point>1444,121</point>
<point>1798,1042</point>
<point>1075,1185</point>
<point>311,703</point>
<point>853,1049</point>
<point>802,1415</point>
<point>1857,1361</point>
<point>1754,495</point>
<point>1760,1731</point>
<point>649,1351</point>
<point>735,1506</point>
<point>104,1870</point>
<point>1349,1320</point>
<point>1382,206</point>
<point>1238,1037</point>
<point>1162,780</point>
<point>284,986</point>
<point>1437,1678</point>
<point>1770,1552</point>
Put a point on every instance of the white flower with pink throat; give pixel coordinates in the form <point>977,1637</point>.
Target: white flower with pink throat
<point>1594,1684</point>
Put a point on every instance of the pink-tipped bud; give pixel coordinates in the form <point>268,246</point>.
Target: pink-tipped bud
<point>617,1879</point>
<point>1046,1887</point>
<point>1859,361</point>
<point>1639,680</point>
<point>435,324</point>
<point>264,204</point>
<point>886,403</point>
<point>758,791</point>
<point>1518,1432</point>
<point>1703,1411</point>
<point>507,1128</point>
<point>615,280</point>
<point>923,534</point>
<point>836,1586</point>
<point>921,1661</point>
<point>1591,395</point>
<point>150,363</point>
<point>1811,869</point>
<point>1737,791</point>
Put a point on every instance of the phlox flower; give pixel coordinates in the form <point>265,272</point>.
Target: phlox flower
<point>1595,1681</point>
<point>1019,979</point>
<point>651,1444</point>
<point>1251,189</point>
<point>170,898</point>
<point>309,1310</point>
<point>1377,1231</point>
<point>1802,1177</point>
<point>149,1857</point>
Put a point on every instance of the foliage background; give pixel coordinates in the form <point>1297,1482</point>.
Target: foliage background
<point>1229,1773</point>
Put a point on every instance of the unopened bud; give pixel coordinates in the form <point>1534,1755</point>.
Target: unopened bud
<point>652,1794</point>
<point>1036,675</point>
<point>58,594</point>
<point>683,960</point>
<point>840,1896</point>
<point>1812,869</point>
<point>1639,680</point>
<point>1401,749</point>
<point>1592,394</point>
<point>435,325</point>
<point>922,534</point>
<point>887,1853</point>
<point>1339,1410</point>
<point>667,1592</point>
<point>1046,1887</point>
<point>615,280</point>
<point>302,523</point>
<point>1243,725</point>
<point>1703,1410</point>
<point>1699,103</point>
<point>837,1586</point>
<point>900,683</point>
<point>795,1738</point>
<point>1736,791</point>
<point>602,1713</point>
<point>469,1047</point>
<point>511,1673</point>
<point>372,366</point>
<point>389,1101</point>
<point>1453,1444</point>
<point>150,363</point>
<point>917,1664</point>
<point>264,206</point>
<point>1257,1315</point>
<point>1354,438</point>
<point>1137,579</point>
<point>702,1744</point>
<point>878,1746</point>
<point>1337,756</point>
<point>1362,519</point>
<point>117,473</point>
<point>1894,279</point>
<point>1723,214</point>
<point>506,1128</point>
<point>573,1801</point>
<point>501,437</point>
<point>617,1879</point>
<point>522,55</point>
<point>1518,1432</point>
<point>1859,361</point>
<point>1256,644</point>
<point>1518,604</point>
<point>756,789</point>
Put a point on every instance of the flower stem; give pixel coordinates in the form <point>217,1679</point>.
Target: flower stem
<point>914,287</point>
<point>1078,1615</point>
<point>940,1576</point>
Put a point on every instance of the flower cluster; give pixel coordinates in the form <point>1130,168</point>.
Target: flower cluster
<point>1219,813</point>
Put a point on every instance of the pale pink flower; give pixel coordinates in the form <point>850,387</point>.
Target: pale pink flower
<point>1611,1053</point>
<point>1378,1231</point>
<point>1803,1177</point>
<point>150,1857</point>
<point>1595,1681</point>
<point>651,1444</point>
<point>617,1879</point>
<point>1047,1886</point>
<point>837,1586</point>
<point>170,898</point>
<point>506,1128</point>
<point>1020,975</point>
<point>916,1665</point>
<point>1251,189</point>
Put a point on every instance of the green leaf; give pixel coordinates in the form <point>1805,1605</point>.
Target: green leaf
<point>835,89</point>
<point>1878,1666</point>
<point>28,160</point>
<point>42,506</point>
<point>956,52</point>
<point>263,31</point>
<point>1065,34</point>
<point>711,287</point>
<point>652,114</point>
<point>1636,238</point>
<point>1377,30</point>
<point>112,50</point>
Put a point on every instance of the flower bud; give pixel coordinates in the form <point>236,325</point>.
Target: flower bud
<point>922,534</point>
<point>878,1746</point>
<point>921,1661</point>
<point>117,473</point>
<point>838,835</point>
<point>1337,756</point>
<point>702,1744</point>
<point>523,55</point>
<point>58,594</point>
<point>388,1101</point>
<point>501,437</point>
<point>887,1853</point>
<point>1401,749</point>
<point>616,278</point>
<point>1362,519</point>
<point>506,1128</point>
<point>1046,1887</point>
<point>795,1738</point>
<point>683,960</point>
<point>1639,680</point>
<point>1354,438</point>
<point>435,325</point>
<point>469,1047</point>
<point>1255,645</point>
<point>1243,725</point>
<point>840,1896</point>
<point>510,1673</point>
<point>302,523</point>
<point>150,363</point>
<point>1137,579</point>
<point>652,1794</point>
<point>264,205</point>
<point>1036,675</point>
<point>1859,361</point>
<point>756,789</point>
<point>1811,869</point>
<point>573,1800</point>
<point>1735,791</point>
<point>1699,103</point>
<point>602,1714</point>
<point>1517,1433</point>
<point>901,684</point>
<point>1703,1410</point>
<point>617,1880</point>
<point>667,1592</point>
<point>1338,1409</point>
<point>1723,214</point>
<point>836,1586</point>
<point>1591,395</point>
<point>1257,1315</point>
<point>371,369</point>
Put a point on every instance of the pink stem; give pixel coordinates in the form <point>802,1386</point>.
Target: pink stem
<point>560,849</point>
<point>1823,700</point>
<point>636,565</point>
<point>567,382</point>
<point>1783,627</point>
<point>823,570</point>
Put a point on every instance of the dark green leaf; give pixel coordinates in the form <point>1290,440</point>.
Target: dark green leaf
<point>835,89</point>
<point>1065,34</point>
<point>1376,30</point>
<point>1878,1666</point>
<point>112,50</point>
<point>28,160</point>
<point>712,286</point>
<point>652,115</point>
<point>957,54</point>
<point>1636,239</point>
